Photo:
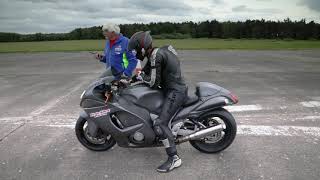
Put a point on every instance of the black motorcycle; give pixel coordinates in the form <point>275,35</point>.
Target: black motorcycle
<point>124,114</point>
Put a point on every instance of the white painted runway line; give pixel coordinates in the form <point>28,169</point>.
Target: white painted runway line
<point>310,118</point>
<point>253,130</point>
<point>71,126</point>
<point>242,108</point>
<point>310,103</point>
<point>249,130</point>
<point>15,119</point>
<point>68,121</point>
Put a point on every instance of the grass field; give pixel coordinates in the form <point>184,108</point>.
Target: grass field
<point>211,44</point>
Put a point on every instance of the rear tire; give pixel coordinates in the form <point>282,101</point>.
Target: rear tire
<point>83,139</point>
<point>229,132</point>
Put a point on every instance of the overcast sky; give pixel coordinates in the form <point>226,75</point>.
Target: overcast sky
<point>30,16</point>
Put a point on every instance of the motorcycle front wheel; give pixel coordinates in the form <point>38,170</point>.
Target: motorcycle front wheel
<point>101,142</point>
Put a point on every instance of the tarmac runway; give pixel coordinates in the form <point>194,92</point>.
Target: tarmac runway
<point>278,118</point>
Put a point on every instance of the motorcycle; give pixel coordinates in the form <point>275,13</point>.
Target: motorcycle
<point>124,114</point>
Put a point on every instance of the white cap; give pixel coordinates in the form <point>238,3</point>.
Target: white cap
<point>110,27</point>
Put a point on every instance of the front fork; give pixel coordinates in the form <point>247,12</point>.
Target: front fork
<point>92,128</point>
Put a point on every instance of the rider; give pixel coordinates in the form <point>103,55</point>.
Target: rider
<point>120,62</point>
<point>162,71</point>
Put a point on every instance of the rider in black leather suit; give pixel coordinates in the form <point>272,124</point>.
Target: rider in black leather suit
<point>162,71</point>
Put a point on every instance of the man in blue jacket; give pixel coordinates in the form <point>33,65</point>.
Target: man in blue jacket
<point>119,61</point>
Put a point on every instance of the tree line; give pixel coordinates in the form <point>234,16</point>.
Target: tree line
<point>255,29</point>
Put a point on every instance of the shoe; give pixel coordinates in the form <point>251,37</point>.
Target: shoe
<point>170,164</point>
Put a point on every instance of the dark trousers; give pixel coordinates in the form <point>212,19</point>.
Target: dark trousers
<point>173,101</point>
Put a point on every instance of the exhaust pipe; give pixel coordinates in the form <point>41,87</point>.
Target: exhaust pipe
<point>201,133</point>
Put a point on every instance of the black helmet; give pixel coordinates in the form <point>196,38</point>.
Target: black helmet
<point>140,42</point>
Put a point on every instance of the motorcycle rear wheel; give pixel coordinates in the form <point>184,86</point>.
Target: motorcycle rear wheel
<point>219,141</point>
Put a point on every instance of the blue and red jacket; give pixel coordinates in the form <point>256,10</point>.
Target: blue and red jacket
<point>119,58</point>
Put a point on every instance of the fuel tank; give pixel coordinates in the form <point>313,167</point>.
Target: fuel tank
<point>144,96</point>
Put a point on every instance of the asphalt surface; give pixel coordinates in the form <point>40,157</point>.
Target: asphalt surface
<point>278,117</point>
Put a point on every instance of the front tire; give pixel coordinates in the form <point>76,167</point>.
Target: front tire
<point>104,143</point>
<point>229,133</point>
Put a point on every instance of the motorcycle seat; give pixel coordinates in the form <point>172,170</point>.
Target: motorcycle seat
<point>190,101</point>
<point>204,89</point>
